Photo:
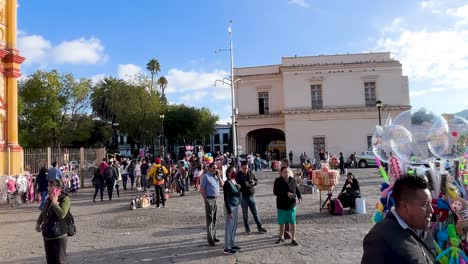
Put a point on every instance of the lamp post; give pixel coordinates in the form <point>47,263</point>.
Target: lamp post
<point>378,104</point>
<point>231,82</point>
<point>161,116</point>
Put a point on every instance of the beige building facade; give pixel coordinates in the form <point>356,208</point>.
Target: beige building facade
<point>308,103</point>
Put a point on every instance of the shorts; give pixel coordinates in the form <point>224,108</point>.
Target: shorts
<point>287,216</point>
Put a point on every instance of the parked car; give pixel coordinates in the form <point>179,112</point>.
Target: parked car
<point>366,159</point>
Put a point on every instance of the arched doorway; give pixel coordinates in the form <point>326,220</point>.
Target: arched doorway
<point>260,140</point>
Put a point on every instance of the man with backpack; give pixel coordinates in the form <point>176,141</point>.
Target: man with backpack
<point>158,175</point>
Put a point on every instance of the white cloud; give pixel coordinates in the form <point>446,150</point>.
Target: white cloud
<point>180,81</point>
<point>301,3</point>
<point>436,60</point>
<point>79,51</point>
<point>427,4</point>
<point>395,26</point>
<point>128,71</point>
<point>34,48</point>
<point>224,120</point>
<point>38,50</point>
<point>97,78</point>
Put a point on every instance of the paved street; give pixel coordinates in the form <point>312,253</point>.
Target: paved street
<point>109,232</point>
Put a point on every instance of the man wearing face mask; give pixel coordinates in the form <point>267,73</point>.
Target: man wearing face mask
<point>404,236</point>
<point>246,179</point>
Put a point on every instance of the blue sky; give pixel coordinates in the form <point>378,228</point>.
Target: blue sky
<point>94,39</point>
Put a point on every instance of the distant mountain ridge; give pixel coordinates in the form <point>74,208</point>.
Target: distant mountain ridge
<point>463,114</point>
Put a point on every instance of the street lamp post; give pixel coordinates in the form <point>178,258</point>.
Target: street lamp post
<point>161,116</point>
<point>378,104</point>
<point>231,82</point>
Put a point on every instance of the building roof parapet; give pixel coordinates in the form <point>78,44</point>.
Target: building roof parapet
<point>258,116</point>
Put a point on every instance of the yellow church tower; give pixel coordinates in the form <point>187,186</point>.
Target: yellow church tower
<point>11,154</point>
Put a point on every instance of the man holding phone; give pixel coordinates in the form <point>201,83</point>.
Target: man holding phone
<point>246,179</point>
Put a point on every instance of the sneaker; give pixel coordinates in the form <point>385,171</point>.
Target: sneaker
<point>262,230</point>
<point>216,240</point>
<point>230,252</point>
<point>236,248</point>
<point>212,244</point>
<point>294,243</point>
<point>247,232</point>
<point>159,206</point>
<point>279,241</point>
<point>164,206</point>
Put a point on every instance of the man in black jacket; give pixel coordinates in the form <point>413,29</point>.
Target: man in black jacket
<point>246,179</point>
<point>404,236</point>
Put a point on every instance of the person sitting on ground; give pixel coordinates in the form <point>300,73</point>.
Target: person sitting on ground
<point>350,191</point>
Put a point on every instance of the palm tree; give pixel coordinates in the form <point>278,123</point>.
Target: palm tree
<point>162,82</point>
<point>154,68</point>
<point>101,97</point>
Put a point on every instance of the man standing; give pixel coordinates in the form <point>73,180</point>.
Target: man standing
<point>209,189</point>
<point>54,172</point>
<point>158,174</point>
<point>290,157</point>
<point>246,179</point>
<point>342,171</point>
<point>144,172</point>
<point>404,236</point>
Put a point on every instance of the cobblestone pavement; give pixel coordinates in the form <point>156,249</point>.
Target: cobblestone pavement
<point>108,232</point>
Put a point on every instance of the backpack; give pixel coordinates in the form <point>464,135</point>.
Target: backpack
<point>159,174</point>
<point>336,208</point>
<point>108,173</point>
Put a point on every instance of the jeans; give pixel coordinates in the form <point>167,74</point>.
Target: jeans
<point>124,181</point>
<point>210,211</point>
<point>187,184</point>
<point>43,199</point>
<point>98,187</point>
<point>132,179</point>
<point>230,228</point>
<point>110,188</point>
<point>246,203</point>
<point>160,194</point>
<point>56,250</point>
<point>181,183</point>
<point>144,183</point>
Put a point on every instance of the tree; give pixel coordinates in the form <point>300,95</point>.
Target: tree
<point>162,82</point>
<point>103,95</point>
<point>154,68</point>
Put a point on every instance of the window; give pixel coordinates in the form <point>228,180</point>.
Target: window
<point>216,139</point>
<point>369,93</point>
<point>369,142</point>
<point>263,104</point>
<point>225,137</point>
<point>319,143</point>
<point>316,94</point>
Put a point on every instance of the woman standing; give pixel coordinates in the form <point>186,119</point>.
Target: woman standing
<point>124,172</point>
<point>52,223</point>
<point>286,191</point>
<point>42,185</point>
<point>231,204</point>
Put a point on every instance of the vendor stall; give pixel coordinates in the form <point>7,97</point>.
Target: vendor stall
<point>325,180</point>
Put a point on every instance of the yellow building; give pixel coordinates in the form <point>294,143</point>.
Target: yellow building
<point>11,154</point>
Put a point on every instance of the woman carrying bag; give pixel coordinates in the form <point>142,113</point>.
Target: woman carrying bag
<point>286,191</point>
<point>52,224</point>
<point>231,192</point>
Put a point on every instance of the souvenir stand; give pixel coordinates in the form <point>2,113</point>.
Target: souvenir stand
<point>325,180</point>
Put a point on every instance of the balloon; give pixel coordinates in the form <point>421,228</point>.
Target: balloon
<point>457,142</point>
<point>400,141</point>
<point>381,144</point>
<point>429,133</point>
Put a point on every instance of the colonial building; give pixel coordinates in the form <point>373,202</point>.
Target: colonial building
<point>308,103</point>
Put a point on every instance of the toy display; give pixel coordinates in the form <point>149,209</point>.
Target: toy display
<point>419,143</point>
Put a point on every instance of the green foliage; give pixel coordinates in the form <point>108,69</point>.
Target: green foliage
<point>59,110</point>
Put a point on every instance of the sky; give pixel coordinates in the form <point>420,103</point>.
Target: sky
<point>94,39</point>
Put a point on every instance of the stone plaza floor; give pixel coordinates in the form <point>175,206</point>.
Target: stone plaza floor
<point>108,232</point>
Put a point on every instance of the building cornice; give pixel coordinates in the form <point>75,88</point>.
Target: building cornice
<point>338,66</point>
<point>345,109</point>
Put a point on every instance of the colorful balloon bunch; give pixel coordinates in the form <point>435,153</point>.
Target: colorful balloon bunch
<point>207,159</point>
<point>419,143</point>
